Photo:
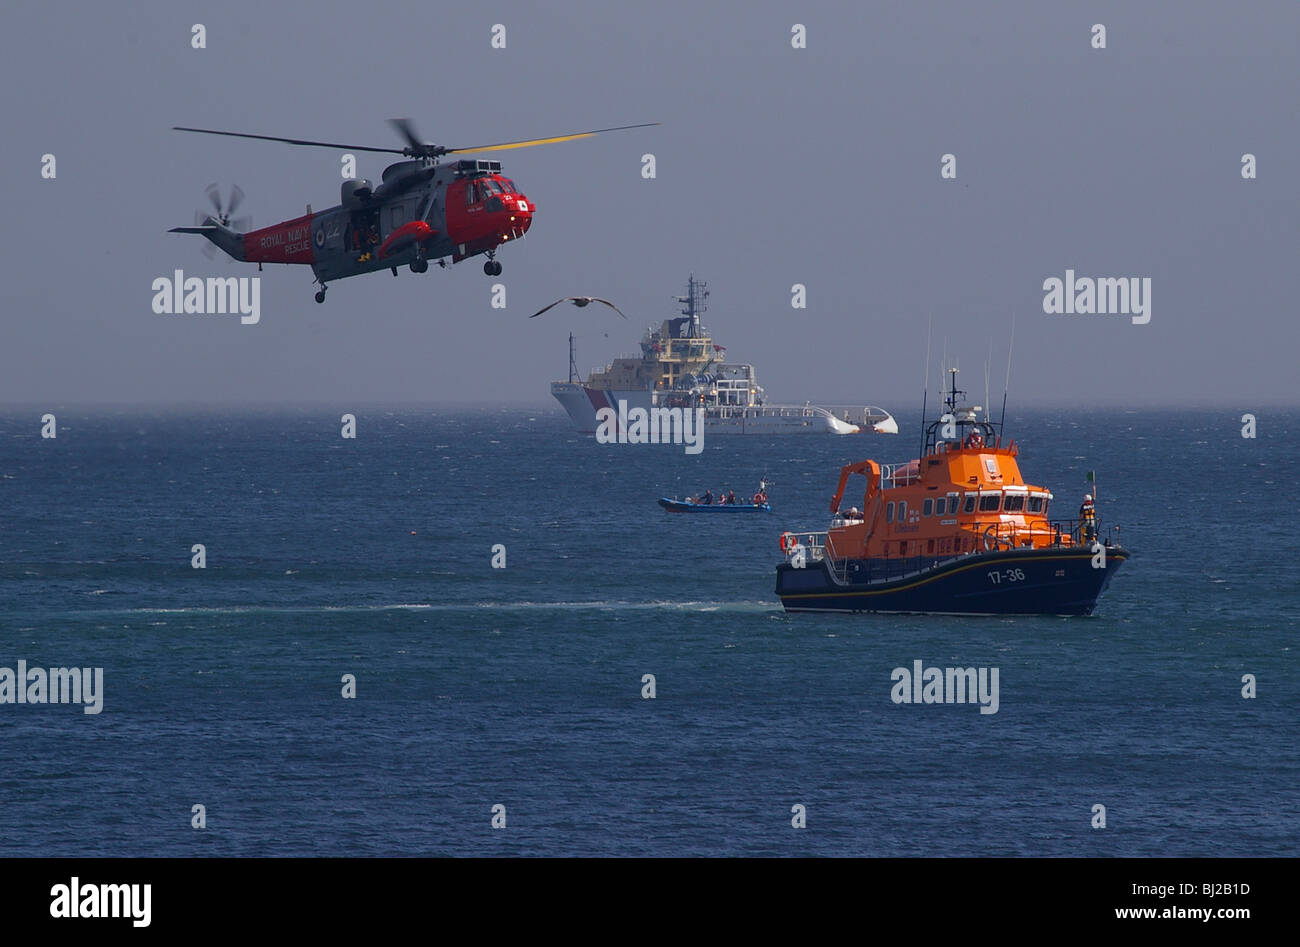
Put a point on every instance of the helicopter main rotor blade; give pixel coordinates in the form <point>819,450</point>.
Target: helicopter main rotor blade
<point>406,128</point>
<point>505,145</point>
<point>290,141</point>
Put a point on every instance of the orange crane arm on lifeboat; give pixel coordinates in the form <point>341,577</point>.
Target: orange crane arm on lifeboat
<point>869,469</point>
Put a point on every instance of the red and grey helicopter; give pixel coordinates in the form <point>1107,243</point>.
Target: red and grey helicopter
<point>422,210</point>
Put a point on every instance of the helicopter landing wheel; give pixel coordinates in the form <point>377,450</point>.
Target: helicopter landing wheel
<point>419,266</point>
<point>320,296</point>
<point>492,268</point>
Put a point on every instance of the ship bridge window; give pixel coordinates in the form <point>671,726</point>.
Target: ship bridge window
<point>990,502</point>
<point>889,512</point>
<point>927,508</point>
<point>1015,503</point>
<point>969,506</point>
<point>940,506</point>
<point>1035,504</point>
<point>902,511</point>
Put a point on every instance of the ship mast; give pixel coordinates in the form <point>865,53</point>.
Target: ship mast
<point>695,302</point>
<point>964,419</point>
<point>573,360</point>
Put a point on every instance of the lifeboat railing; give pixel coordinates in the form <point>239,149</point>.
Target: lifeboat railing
<point>814,545</point>
<point>815,549</point>
<point>898,475</point>
<point>1061,532</point>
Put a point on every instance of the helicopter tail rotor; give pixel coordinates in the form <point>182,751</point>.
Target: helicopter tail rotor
<point>224,211</point>
<point>222,231</point>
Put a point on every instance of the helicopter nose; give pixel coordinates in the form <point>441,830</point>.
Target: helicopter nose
<point>518,218</point>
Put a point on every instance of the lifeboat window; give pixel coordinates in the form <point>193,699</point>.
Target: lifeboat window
<point>970,503</point>
<point>1015,503</point>
<point>990,502</point>
<point>1035,504</point>
<point>927,509</point>
<point>889,512</point>
<point>902,511</point>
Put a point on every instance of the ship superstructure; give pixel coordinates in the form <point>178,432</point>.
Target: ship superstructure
<point>681,366</point>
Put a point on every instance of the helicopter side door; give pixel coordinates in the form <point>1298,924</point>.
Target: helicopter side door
<point>397,213</point>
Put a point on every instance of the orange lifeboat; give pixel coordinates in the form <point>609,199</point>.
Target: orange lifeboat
<point>957,530</point>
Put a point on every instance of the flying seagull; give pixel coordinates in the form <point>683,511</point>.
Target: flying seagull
<point>579,301</point>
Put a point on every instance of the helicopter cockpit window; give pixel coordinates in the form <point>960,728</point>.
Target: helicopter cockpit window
<point>491,192</point>
<point>509,186</point>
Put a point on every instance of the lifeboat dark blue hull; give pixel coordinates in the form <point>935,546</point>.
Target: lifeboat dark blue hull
<point>681,506</point>
<point>1048,581</point>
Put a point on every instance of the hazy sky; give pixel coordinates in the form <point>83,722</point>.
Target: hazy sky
<point>775,166</point>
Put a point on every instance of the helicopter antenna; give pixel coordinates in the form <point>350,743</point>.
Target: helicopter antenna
<point>1007,385</point>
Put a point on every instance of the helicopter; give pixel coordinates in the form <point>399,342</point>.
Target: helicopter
<point>422,210</point>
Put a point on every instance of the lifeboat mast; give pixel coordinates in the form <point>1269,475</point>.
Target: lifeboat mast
<point>965,420</point>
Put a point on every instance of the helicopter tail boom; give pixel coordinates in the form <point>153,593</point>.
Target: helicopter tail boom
<point>231,243</point>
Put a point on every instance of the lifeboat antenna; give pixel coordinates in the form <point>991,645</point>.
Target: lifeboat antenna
<point>987,362</point>
<point>925,381</point>
<point>943,372</point>
<point>1010,345</point>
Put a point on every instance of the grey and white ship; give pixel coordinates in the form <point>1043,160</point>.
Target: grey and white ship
<point>682,367</point>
